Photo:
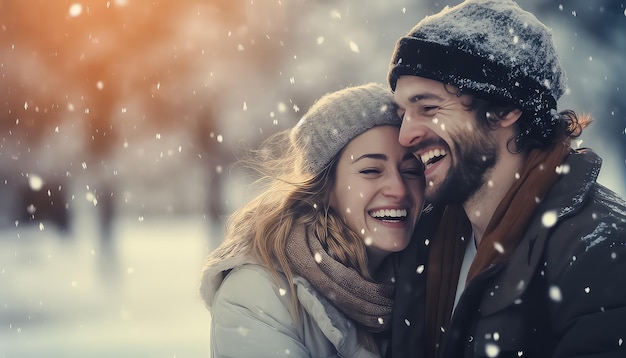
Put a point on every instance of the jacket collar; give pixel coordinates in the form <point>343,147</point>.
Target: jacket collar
<point>580,171</point>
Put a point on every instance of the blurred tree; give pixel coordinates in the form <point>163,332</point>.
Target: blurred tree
<point>120,71</point>
<point>89,58</point>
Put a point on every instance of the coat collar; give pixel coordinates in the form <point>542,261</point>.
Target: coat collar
<point>580,171</point>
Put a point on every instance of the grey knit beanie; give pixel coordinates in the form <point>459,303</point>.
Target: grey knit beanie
<point>490,47</point>
<point>338,117</point>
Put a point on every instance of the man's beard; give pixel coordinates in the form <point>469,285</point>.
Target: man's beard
<point>467,174</point>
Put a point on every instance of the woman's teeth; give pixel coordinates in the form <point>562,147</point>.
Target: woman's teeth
<point>389,214</point>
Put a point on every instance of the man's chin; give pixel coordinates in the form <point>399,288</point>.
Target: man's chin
<point>446,194</point>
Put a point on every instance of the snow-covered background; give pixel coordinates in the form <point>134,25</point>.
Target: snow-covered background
<point>120,121</point>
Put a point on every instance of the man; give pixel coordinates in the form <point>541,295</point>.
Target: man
<point>523,253</point>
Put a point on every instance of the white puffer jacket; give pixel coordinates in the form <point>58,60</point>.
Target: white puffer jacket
<point>252,316</point>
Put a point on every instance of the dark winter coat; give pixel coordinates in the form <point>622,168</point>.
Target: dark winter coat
<point>561,294</point>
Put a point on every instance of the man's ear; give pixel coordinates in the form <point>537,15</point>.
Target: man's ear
<point>510,118</point>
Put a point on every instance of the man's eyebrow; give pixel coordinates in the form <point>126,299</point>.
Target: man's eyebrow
<point>422,96</point>
<point>371,156</point>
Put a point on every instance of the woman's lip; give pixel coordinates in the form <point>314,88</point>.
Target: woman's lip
<point>394,224</point>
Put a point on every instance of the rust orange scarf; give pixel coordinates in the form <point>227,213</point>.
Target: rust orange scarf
<point>503,234</point>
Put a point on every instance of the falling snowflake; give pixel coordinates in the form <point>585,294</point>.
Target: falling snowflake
<point>354,47</point>
<point>555,294</point>
<point>563,169</point>
<point>35,182</point>
<point>492,350</point>
<point>420,269</point>
<point>75,10</point>
<point>549,218</point>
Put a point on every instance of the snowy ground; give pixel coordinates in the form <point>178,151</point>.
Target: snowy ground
<point>64,296</point>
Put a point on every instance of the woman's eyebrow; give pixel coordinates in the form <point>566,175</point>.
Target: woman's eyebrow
<point>371,156</point>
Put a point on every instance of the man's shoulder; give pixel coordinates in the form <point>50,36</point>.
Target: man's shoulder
<point>605,197</point>
<point>577,192</point>
<point>599,206</point>
<point>591,232</point>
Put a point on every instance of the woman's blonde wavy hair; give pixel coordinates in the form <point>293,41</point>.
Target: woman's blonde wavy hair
<point>288,196</point>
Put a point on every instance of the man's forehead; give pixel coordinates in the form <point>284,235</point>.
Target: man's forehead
<point>415,88</point>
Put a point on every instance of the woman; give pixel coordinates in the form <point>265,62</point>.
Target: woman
<point>302,271</point>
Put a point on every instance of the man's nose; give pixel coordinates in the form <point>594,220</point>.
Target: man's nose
<point>411,130</point>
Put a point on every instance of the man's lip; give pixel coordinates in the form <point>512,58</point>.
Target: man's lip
<point>437,152</point>
<point>431,167</point>
<point>429,144</point>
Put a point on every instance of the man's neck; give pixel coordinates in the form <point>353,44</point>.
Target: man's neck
<point>481,206</point>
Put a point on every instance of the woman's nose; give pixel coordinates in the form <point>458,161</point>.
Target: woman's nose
<point>396,186</point>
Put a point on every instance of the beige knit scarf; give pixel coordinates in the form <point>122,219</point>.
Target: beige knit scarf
<point>367,303</point>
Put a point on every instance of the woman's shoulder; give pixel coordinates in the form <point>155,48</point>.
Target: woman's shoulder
<point>260,307</point>
<point>253,288</point>
<point>253,281</point>
<point>251,316</point>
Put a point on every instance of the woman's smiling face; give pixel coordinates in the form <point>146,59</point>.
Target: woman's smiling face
<point>379,189</point>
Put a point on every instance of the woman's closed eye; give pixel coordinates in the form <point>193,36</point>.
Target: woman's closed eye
<point>370,171</point>
<point>414,172</point>
<point>412,167</point>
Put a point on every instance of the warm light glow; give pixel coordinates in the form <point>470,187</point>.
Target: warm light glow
<point>75,10</point>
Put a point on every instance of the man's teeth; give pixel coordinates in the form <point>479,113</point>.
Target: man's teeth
<point>386,213</point>
<point>433,153</point>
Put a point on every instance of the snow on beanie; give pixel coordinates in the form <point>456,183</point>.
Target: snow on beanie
<point>338,117</point>
<point>492,48</point>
